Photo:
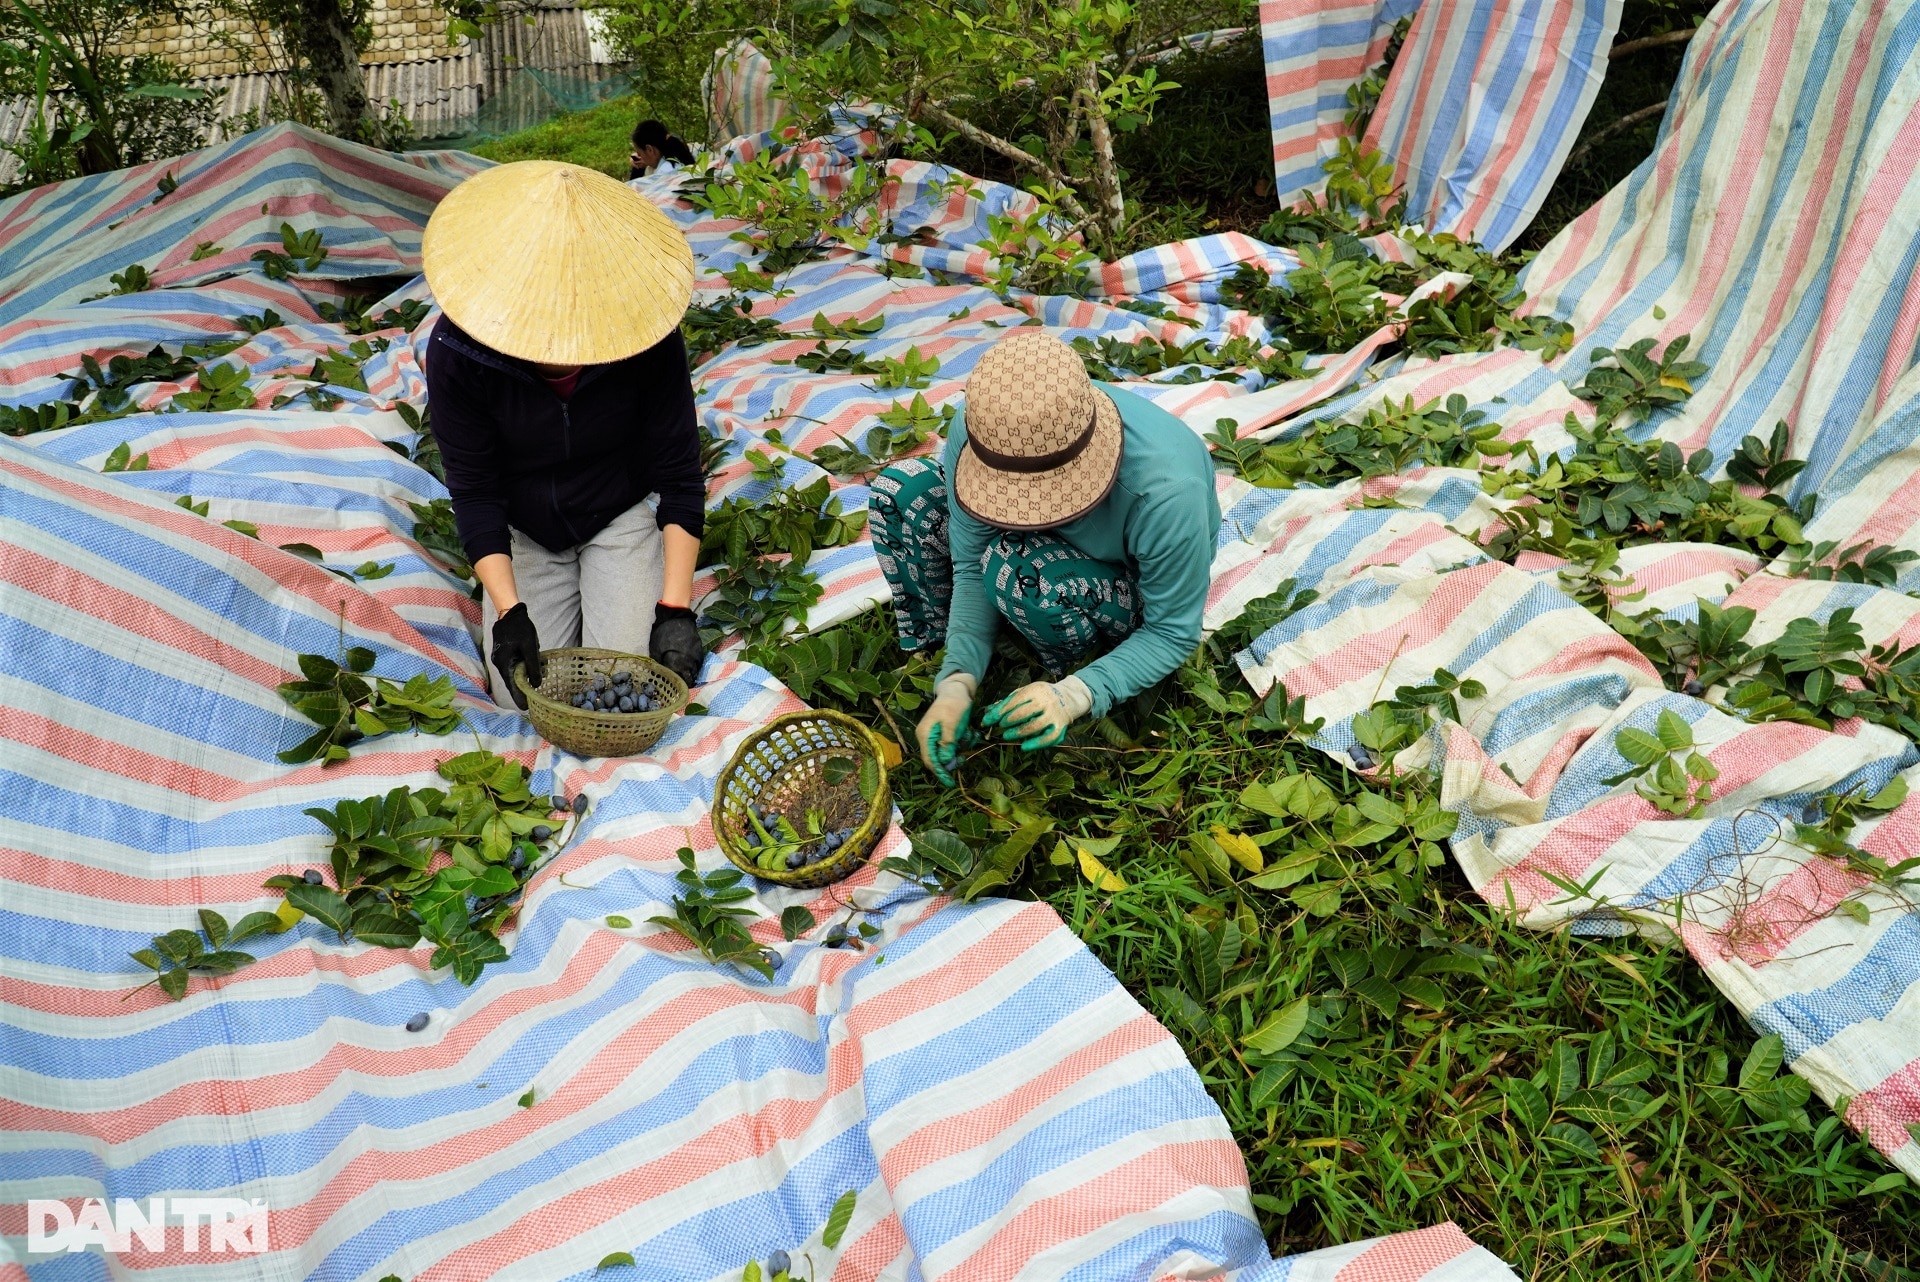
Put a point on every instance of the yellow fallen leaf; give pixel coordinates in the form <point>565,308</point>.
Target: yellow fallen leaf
<point>1240,848</point>
<point>1675,381</point>
<point>890,754</point>
<point>1102,877</point>
<point>1629,969</point>
<point>289,916</point>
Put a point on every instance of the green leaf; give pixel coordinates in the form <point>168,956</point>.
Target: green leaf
<point>614,1261</point>
<point>838,1219</point>
<point>941,848</point>
<point>1424,991</point>
<point>616,922</point>
<point>324,904</point>
<point>148,958</point>
<point>216,927</point>
<point>1279,1030</point>
<point>1380,809</point>
<point>1762,1062</point>
<point>1378,992</point>
<point>1528,1104</point>
<point>174,984</point>
<point>1639,747</point>
<point>796,921</point>
<point>255,924</point>
<point>1321,899</point>
<point>496,880</point>
<point>1575,1137</point>
<point>385,930</point>
<point>179,945</point>
<point>526,1100</point>
<point>1297,866</point>
<point>317,668</point>
<point>1563,1070</point>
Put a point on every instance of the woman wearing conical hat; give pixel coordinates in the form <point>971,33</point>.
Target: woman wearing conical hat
<point>1083,515</point>
<point>561,403</point>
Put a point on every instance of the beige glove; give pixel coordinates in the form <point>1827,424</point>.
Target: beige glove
<point>1037,716</point>
<point>940,730</point>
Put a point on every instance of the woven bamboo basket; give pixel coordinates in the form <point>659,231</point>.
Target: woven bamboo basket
<point>783,767</point>
<point>599,734</point>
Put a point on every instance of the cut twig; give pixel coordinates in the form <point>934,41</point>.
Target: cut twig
<point>1627,121</point>
<point>1626,47</point>
<point>1012,151</point>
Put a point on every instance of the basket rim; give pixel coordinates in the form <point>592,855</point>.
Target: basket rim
<point>611,719</point>
<point>875,818</point>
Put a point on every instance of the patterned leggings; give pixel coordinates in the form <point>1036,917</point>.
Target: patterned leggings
<point>1061,600</point>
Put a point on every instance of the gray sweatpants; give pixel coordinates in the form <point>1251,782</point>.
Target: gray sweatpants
<point>600,594</point>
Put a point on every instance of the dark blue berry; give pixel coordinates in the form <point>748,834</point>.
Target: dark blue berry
<point>1361,757</point>
<point>836,935</point>
<point>556,802</point>
<point>311,876</point>
<point>626,703</point>
<point>417,1023</point>
<point>778,1263</point>
<point>795,859</point>
<point>1694,688</point>
<point>540,832</point>
<point>599,680</point>
<point>518,859</point>
<point>580,804</point>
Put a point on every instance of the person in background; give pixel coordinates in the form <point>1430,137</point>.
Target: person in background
<point>1084,516</point>
<point>564,414</point>
<point>652,144</point>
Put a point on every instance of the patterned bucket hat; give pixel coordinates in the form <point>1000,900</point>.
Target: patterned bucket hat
<point>1043,444</point>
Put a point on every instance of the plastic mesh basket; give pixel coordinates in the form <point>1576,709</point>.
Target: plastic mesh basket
<point>586,733</point>
<point>787,767</point>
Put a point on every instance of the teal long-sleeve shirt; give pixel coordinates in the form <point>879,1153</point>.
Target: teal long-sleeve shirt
<point>1160,520</point>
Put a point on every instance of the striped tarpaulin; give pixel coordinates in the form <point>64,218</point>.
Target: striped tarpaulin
<point>1776,224</point>
<point>1482,106</point>
<point>1313,52</point>
<point>1002,1107</point>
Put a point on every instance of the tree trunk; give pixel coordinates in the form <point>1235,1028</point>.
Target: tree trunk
<point>331,53</point>
<point>1106,173</point>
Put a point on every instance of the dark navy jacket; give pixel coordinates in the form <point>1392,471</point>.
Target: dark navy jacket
<point>560,471</point>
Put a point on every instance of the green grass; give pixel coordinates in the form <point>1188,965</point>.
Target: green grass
<point>1392,1111</point>
<point>595,138</point>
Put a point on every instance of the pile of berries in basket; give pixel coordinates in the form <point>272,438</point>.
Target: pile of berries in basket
<point>617,695</point>
<point>773,842</point>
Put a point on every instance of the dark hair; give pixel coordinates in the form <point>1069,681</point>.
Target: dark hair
<point>652,133</point>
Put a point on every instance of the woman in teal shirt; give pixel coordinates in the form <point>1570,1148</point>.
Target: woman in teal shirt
<point>1082,515</point>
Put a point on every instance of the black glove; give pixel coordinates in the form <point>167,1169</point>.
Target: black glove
<point>676,642</point>
<point>516,643</point>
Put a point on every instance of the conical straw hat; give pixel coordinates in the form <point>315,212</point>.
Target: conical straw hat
<point>557,264</point>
